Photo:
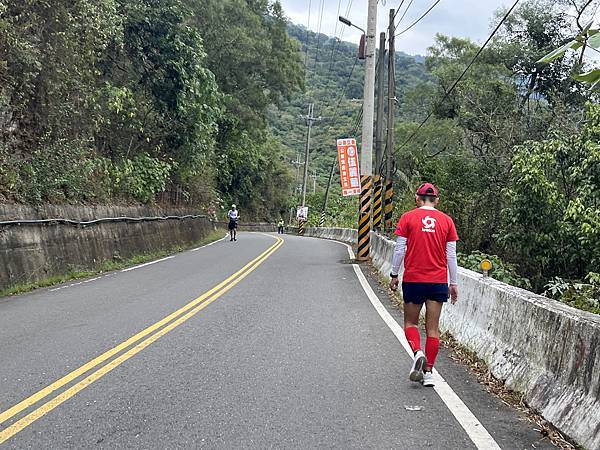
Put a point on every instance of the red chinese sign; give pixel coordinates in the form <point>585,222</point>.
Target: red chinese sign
<point>348,162</point>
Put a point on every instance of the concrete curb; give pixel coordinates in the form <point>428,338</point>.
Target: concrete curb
<point>543,348</point>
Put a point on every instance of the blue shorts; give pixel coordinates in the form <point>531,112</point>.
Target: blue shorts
<point>420,292</point>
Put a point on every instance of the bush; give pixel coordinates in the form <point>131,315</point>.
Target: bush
<point>141,177</point>
<point>581,295</point>
<point>501,271</point>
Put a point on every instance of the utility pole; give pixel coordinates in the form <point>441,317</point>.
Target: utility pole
<point>309,122</point>
<point>366,160</point>
<point>314,177</point>
<point>377,201</point>
<point>389,185</point>
<point>379,128</point>
<point>322,218</point>
<point>297,163</point>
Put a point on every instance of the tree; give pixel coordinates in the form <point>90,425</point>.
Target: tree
<point>552,213</point>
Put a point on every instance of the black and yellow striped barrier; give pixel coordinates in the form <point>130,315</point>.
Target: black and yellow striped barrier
<point>364,219</point>
<point>377,202</point>
<point>389,204</point>
<point>301,227</point>
<point>322,219</point>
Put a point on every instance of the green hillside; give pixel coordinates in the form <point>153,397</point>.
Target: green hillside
<point>336,89</point>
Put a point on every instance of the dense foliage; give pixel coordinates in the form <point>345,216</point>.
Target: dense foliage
<point>110,100</point>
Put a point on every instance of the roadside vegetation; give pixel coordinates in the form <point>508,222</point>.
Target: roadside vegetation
<point>105,101</point>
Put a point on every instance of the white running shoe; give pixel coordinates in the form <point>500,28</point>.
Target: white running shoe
<point>416,371</point>
<point>428,379</point>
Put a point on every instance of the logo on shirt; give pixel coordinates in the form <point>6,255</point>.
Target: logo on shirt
<point>428,224</point>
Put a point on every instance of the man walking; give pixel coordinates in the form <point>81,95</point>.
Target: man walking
<point>280,225</point>
<point>233,216</point>
<point>426,244</point>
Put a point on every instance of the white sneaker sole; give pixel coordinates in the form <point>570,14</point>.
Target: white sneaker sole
<point>416,372</point>
<point>429,383</point>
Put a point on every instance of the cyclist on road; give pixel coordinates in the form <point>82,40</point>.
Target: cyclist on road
<point>426,245</point>
<point>233,215</point>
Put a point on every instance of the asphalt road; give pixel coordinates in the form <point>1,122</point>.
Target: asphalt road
<point>288,353</point>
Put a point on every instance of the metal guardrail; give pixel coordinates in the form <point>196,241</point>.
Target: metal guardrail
<point>84,223</point>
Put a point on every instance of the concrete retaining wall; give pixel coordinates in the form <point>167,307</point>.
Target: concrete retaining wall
<point>34,252</point>
<point>538,346</point>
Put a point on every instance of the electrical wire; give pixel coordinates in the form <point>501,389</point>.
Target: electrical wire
<point>398,9</point>
<point>449,91</point>
<point>419,19</point>
<point>319,34</point>
<point>306,40</point>
<point>339,42</point>
<point>343,93</point>
<point>334,36</point>
<point>405,11</point>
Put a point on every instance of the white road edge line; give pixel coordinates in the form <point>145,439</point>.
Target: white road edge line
<point>132,268</point>
<point>147,264</point>
<point>209,244</point>
<point>472,426</point>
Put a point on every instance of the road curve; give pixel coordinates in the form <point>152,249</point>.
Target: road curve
<point>263,342</point>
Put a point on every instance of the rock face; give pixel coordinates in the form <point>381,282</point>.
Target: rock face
<point>35,252</point>
<point>540,347</point>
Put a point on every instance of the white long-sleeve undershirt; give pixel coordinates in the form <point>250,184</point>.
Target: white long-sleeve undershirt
<point>400,252</point>
<point>452,262</point>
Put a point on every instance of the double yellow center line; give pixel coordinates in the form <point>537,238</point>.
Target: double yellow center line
<point>139,342</point>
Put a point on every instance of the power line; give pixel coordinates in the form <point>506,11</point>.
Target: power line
<point>405,11</point>
<point>447,94</point>
<point>398,9</point>
<point>343,93</point>
<point>348,8</point>
<point>319,34</point>
<point>419,19</point>
<point>358,121</point>
<point>334,36</point>
<point>307,31</point>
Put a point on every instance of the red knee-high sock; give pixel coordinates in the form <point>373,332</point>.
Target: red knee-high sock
<point>413,337</point>
<point>432,346</point>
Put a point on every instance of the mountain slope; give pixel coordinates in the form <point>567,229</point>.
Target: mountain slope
<point>334,83</point>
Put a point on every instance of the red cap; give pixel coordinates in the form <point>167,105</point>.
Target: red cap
<point>427,189</point>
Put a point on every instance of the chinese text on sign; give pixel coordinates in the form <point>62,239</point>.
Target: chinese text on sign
<point>348,162</point>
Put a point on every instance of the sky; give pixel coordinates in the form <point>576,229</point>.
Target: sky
<point>461,18</point>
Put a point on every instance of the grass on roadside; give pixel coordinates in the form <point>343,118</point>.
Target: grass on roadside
<point>107,266</point>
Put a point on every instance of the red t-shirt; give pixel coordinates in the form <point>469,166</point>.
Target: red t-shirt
<point>427,231</point>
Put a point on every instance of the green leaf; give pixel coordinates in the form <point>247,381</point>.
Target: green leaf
<point>594,40</point>
<point>559,52</point>
<point>592,77</point>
